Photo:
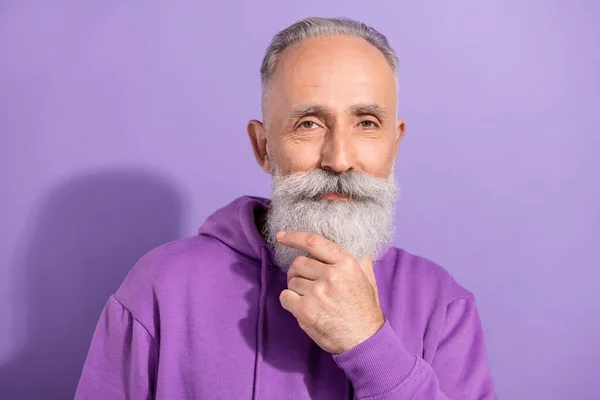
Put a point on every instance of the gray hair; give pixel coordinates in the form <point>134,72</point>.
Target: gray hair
<point>362,225</point>
<point>314,26</point>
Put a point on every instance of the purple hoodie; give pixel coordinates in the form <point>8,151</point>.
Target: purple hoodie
<point>200,318</point>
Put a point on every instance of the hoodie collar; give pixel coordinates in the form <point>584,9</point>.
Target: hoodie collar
<point>235,226</point>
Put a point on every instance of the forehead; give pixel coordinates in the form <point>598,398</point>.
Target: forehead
<point>334,71</point>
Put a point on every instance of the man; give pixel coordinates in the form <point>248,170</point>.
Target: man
<point>300,297</point>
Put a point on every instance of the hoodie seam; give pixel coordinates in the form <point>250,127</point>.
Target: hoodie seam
<point>152,339</point>
<point>456,299</point>
<point>136,320</point>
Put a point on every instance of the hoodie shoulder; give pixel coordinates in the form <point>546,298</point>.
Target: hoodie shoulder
<point>166,273</point>
<point>415,295</point>
<point>163,269</point>
<point>423,277</point>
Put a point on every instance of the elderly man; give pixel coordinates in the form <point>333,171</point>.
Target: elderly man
<point>302,296</point>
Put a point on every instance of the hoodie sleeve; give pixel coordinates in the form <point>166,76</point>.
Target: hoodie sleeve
<point>122,359</point>
<point>380,368</point>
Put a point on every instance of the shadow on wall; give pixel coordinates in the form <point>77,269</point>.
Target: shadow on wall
<point>90,232</point>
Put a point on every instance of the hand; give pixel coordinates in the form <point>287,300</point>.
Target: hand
<point>333,297</point>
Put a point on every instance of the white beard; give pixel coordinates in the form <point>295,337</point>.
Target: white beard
<point>363,225</point>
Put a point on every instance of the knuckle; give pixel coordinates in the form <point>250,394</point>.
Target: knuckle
<point>310,262</point>
<point>332,247</point>
<point>293,282</point>
<point>331,276</point>
<point>301,260</point>
<point>294,266</point>
<point>312,239</point>
<point>347,262</point>
<point>320,290</point>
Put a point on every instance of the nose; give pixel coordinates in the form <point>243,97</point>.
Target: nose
<point>336,155</point>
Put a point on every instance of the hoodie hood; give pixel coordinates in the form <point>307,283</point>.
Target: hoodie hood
<point>235,226</point>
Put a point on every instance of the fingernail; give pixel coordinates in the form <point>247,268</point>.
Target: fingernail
<point>280,235</point>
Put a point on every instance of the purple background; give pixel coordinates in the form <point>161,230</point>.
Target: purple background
<point>123,126</point>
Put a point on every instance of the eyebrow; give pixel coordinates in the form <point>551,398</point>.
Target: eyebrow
<point>306,110</point>
<point>369,109</point>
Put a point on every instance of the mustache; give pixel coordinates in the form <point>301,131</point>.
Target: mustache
<point>317,182</point>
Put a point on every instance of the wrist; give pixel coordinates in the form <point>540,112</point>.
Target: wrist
<point>378,364</point>
<point>371,330</point>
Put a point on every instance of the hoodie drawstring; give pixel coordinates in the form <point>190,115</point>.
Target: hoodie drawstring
<point>260,326</point>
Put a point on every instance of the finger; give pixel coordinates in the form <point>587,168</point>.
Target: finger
<point>317,246</point>
<point>290,300</point>
<point>299,285</point>
<point>307,268</point>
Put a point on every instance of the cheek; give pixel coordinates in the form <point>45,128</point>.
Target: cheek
<point>376,157</point>
<point>297,156</point>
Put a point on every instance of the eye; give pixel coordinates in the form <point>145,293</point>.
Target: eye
<point>307,125</point>
<point>368,124</point>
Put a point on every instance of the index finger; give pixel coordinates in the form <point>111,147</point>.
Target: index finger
<point>317,246</point>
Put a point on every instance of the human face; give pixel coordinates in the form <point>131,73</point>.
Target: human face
<point>331,104</point>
